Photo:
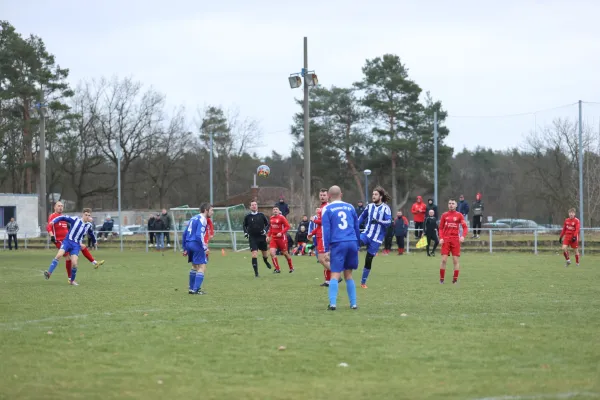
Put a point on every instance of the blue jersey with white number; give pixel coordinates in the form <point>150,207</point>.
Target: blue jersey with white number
<point>339,223</point>
<point>195,232</point>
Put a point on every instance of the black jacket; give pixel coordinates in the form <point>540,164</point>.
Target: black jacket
<point>477,208</point>
<point>151,223</point>
<point>255,224</point>
<point>431,226</point>
<point>302,237</point>
<point>433,207</point>
<point>166,218</point>
<point>159,225</point>
<point>283,207</point>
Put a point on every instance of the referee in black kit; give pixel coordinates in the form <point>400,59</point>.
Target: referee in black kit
<point>256,226</point>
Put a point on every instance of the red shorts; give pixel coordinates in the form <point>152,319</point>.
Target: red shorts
<point>58,243</point>
<point>279,243</point>
<point>567,242</point>
<point>320,248</point>
<point>451,246</point>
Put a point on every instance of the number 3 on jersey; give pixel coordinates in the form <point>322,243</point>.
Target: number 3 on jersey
<point>344,220</point>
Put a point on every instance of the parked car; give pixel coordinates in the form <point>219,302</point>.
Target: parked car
<point>137,229</point>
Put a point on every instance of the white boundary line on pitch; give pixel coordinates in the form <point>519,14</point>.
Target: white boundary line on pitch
<point>567,395</point>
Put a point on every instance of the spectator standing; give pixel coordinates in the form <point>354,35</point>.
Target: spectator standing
<point>431,231</point>
<point>360,207</point>
<point>418,211</point>
<point>388,239</point>
<point>400,231</point>
<point>107,227</point>
<point>159,228</point>
<point>477,215</point>
<point>434,207</point>
<point>463,208</point>
<point>91,242</point>
<point>11,229</point>
<point>283,207</point>
<point>166,218</point>
<point>151,234</point>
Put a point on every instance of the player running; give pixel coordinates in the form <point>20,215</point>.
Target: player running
<point>195,248</point>
<point>378,216</point>
<point>317,234</point>
<point>256,226</point>
<point>277,239</point>
<point>569,236</point>
<point>71,244</point>
<point>58,233</point>
<point>340,237</point>
<point>450,238</point>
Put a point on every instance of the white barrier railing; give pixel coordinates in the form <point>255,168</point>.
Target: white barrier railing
<point>515,238</point>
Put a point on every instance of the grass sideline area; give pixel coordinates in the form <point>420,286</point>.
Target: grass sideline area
<point>515,325</point>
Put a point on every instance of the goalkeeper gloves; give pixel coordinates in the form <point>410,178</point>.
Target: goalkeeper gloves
<point>574,239</point>
<point>560,240</point>
<point>246,235</point>
<point>374,221</point>
<point>52,239</point>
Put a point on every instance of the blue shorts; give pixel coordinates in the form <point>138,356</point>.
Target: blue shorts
<point>372,246</point>
<point>343,255</point>
<point>70,247</point>
<point>196,254</point>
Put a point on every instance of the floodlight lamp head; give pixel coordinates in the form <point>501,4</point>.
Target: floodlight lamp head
<point>311,79</point>
<point>295,81</point>
<point>367,172</point>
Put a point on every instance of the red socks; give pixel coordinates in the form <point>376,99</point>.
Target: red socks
<point>456,271</point>
<point>276,263</point>
<point>577,258</point>
<point>289,260</point>
<point>327,274</point>
<point>442,273</point>
<point>86,253</point>
<point>68,265</point>
<point>566,254</point>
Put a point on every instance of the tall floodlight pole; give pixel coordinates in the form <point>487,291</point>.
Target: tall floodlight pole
<point>41,109</point>
<point>310,79</point>
<point>435,158</point>
<point>119,152</point>
<point>307,192</point>
<point>581,178</point>
<point>367,172</point>
<point>211,167</point>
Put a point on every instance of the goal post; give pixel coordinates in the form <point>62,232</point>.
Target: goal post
<point>228,223</point>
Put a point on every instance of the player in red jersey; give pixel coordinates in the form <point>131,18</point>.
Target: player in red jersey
<point>317,232</point>
<point>450,238</point>
<point>277,237</point>
<point>58,233</point>
<point>210,233</point>
<point>569,236</point>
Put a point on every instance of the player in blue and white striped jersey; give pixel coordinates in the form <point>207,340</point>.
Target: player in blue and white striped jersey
<point>79,227</point>
<point>378,217</point>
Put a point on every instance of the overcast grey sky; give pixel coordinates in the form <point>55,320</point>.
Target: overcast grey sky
<point>479,59</point>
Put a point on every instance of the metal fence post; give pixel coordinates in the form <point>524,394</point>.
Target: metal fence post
<point>535,242</point>
<point>491,240</point>
<point>25,241</point>
<point>147,241</point>
<point>408,242</point>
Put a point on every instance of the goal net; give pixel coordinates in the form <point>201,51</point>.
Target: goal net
<point>228,223</point>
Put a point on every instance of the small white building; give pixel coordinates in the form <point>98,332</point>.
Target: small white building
<point>22,207</point>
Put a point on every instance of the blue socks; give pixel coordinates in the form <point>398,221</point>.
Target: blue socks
<point>73,273</point>
<point>198,281</point>
<point>192,278</point>
<point>351,289</point>
<point>365,275</point>
<point>53,265</point>
<point>333,292</point>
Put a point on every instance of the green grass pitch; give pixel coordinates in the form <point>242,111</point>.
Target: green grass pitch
<point>516,325</point>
